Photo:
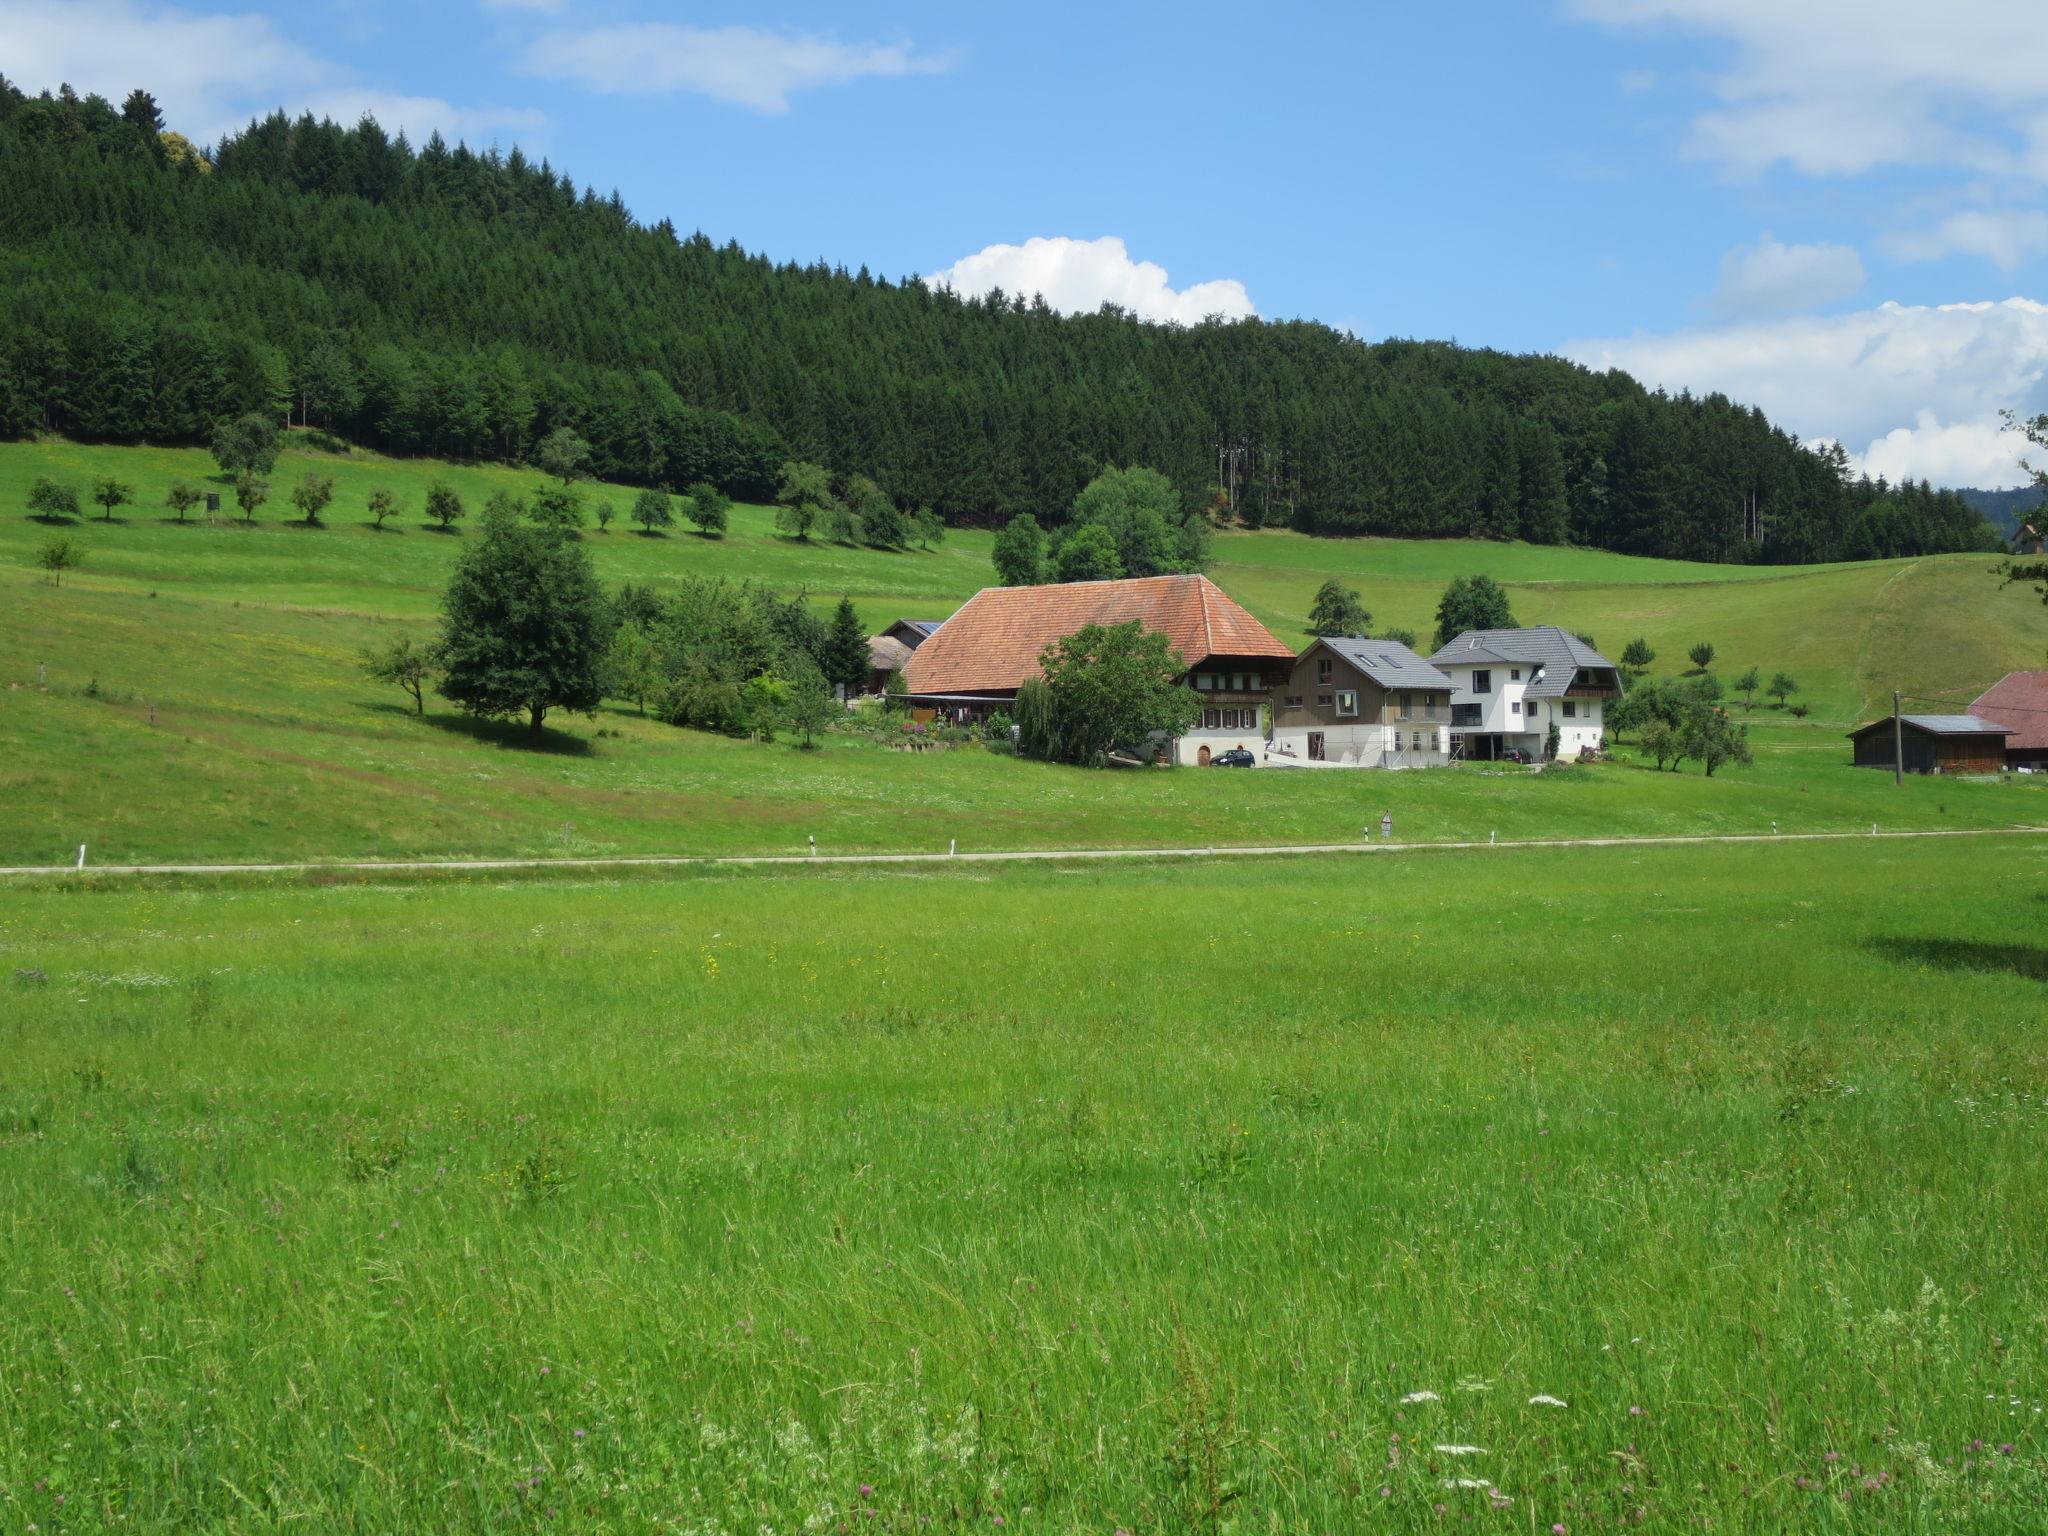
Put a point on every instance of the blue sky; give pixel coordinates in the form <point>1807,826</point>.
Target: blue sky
<point>1837,209</point>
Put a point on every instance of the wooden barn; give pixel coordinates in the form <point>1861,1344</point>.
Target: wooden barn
<point>1934,744</point>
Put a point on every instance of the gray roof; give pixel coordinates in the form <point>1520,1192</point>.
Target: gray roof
<point>1556,653</point>
<point>1942,725</point>
<point>922,626</point>
<point>1387,662</point>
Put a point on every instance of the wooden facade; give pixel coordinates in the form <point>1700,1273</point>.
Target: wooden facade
<point>1929,751</point>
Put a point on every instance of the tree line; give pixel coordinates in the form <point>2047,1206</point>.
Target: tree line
<point>437,300</point>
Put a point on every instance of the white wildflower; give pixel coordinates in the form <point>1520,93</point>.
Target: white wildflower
<point>1545,1400</point>
<point>1460,1450</point>
<point>1424,1396</point>
<point>1468,1482</point>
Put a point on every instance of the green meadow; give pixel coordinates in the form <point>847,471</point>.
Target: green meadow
<point>192,693</point>
<point>1583,1190</point>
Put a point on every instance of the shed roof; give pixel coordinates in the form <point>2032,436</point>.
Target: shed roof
<point>1939,725</point>
<point>993,643</point>
<point>1557,654</point>
<point>887,654</point>
<point>2019,701</point>
<point>1387,662</point>
<point>920,629</point>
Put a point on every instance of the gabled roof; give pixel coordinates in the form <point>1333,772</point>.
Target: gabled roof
<point>921,628</point>
<point>2019,701</point>
<point>1940,725</point>
<point>993,643</point>
<point>1557,653</point>
<point>1387,662</point>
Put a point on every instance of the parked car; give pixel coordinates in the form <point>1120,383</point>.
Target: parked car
<point>1236,757</point>
<point>1515,755</point>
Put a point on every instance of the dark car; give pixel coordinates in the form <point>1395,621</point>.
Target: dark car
<point>1236,757</point>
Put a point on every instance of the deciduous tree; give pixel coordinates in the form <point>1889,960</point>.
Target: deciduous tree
<point>708,508</point>
<point>405,662</point>
<point>652,510</point>
<point>444,506</point>
<point>312,494</point>
<point>563,454</point>
<point>1471,602</point>
<point>1019,552</point>
<point>1337,611</point>
<point>247,445</point>
<point>57,556</point>
<point>1088,554</point>
<point>111,493</point>
<point>1114,686</point>
<point>804,493</point>
<point>383,504</point>
<point>50,501</point>
<point>182,497</point>
<point>1702,655</point>
<point>251,491</point>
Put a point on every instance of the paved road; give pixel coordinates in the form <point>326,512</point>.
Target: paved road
<point>1019,856</point>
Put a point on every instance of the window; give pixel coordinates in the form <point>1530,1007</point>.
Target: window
<point>1322,698</point>
<point>1324,668</point>
<point>1293,701</point>
<point>1209,720</point>
<point>1515,707</point>
<point>1514,674</point>
<point>1569,710</point>
<point>1237,682</point>
<point>1347,701</point>
<point>1482,680</point>
<point>1436,741</point>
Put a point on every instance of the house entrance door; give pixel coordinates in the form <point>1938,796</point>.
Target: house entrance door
<point>1315,746</point>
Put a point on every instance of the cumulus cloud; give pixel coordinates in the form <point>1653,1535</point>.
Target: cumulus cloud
<point>1916,388</point>
<point>1771,278</point>
<point>1080,276</point>
<point>1838,87</point>
<point>2006,239</point>
<point>743,66</point>
<point>209,71</point>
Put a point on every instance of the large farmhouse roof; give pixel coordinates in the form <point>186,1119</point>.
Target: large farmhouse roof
<point>2019,701</point>
<point>1939,725</point>
<point>1554,654</point>
<point>1387,662</point>
<point>993,643</point>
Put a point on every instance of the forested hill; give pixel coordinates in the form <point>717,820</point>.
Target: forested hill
<point>442,301</point>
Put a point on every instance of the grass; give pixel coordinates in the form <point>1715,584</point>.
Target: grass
<point>780,1202</point>
<point>192,693</point>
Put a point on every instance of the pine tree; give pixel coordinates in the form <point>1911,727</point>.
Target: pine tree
<point>846,650</point>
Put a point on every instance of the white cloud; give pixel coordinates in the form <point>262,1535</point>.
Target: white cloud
<point>209,71</point>
<point>1837,87</point>
<point>1770,278</point>
<point>2006,239</point>
<point>1635,82</point>
<point>1079,276</point>
<point>420,116</point>
<point>744,66</point>
<point>1918,385</point>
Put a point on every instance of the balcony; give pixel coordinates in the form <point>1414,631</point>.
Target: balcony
<point>1418,714</point>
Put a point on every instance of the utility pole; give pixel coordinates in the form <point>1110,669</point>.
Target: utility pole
<point>1898,743</point>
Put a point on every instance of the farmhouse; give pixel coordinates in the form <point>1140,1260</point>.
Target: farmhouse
<point>1933,744</point>
<point>1509,686</point>
<point>975,663</point>
<point>1364,703</point>
<point>2019,702</point>
<point>889,651</point>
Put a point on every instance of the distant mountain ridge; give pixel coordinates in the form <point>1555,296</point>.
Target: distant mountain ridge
<point>2004,510</point>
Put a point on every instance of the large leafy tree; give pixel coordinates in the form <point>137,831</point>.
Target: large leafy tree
<point>804,493</point>
<point>247,445</point>
<point>1089,554</point>
<point>1113,686</point>
<point>111,493</point>
<point>524,627</point>
<point>708,508</point>
<point>1471,602</point>
<point>1338,611</point>
<point>1020,552</point>
<point>563,454</point>
<point>1146,523</point>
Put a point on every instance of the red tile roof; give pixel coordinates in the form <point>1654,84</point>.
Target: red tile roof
<point>2018,700</point>
<point>993,643</point>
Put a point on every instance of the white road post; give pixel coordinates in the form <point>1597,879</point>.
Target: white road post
<point>81,855</point>
<point>952,846</point>
<point>814,844</point>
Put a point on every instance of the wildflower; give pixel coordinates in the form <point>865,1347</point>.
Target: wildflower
<point>1460,1450</point>
<point>1466,1482</point>
<point>1545,1400</point>
<point>1635,1410</point>
<point>1557,1529</point>
<point>1424,1396</point>
<point>579,1434</point>
<point>1832,1456</point>
<point>867,1490</point>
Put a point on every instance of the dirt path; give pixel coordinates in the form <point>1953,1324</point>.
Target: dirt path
<point>1017,856</point>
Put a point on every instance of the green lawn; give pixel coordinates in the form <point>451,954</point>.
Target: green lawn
<point>192,693</point>
<point>1086,1198</point>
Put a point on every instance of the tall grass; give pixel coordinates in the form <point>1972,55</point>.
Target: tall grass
<point>1066,1200</point>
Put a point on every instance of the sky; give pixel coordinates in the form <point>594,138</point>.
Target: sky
<point>1834,209</point>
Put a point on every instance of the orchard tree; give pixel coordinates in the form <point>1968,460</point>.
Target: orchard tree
<point>927,528</point>
<point>1702,656</point>
<point>1471,602</point>
<point>182,497</point>
<point>247,445</point>
<point>652,511</point>
<point>804,492</point>
<point>1782,688</point>
<point>1711,737</point>
<point>1337,611</point>
<point>564,455</point>
<point>604,515</point>
<point>709,508</point>
<point>111,493</point>
<point>632,669</point>
<point>311,496</point>
<point>1660,743</point>
<point>524,628</point>
<point>881,523</point>
<point>444,506</point>
<point>406,663</point>
<point>811,709</point>
<point>557,508</point>
<point>1020,552</point>
<point>1637,656</point>
<point>57,556</point>
<point>50,502</point>
<point>251,491</point>
<point>1747,685</point>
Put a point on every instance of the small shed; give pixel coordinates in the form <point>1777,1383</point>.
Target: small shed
<point>1933,744</point>
<point>2019,701</point>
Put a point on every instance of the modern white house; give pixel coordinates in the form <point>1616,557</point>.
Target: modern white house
<point>1509,686</point>
<point>1361,704</point>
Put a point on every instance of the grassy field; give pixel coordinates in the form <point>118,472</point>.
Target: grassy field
<point>1231,1199</point>
<point>192,693</point>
